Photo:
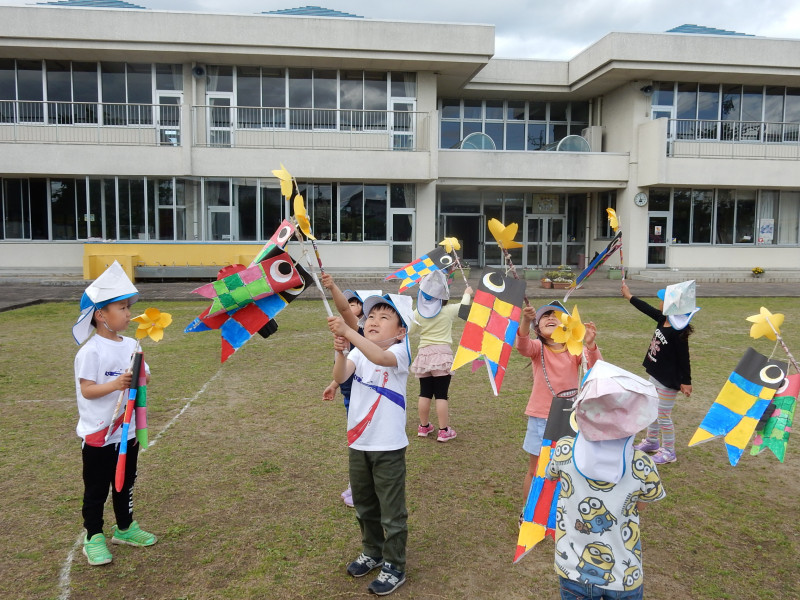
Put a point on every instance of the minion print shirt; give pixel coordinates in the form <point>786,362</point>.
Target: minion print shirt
<point>597,524</point>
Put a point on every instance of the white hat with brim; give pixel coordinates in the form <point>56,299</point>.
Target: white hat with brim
<point>403,305</point>
<point>113,285</point>
<point>433,290</point>
<point>554,306</point>
<point>681,321</point>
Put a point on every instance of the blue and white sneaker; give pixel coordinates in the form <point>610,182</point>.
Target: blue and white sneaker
<point>387,581</point>
<point>363,565</point>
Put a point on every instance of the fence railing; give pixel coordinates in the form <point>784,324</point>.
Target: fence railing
<point>258,127</point>
<point>695,138</point>
<point>90,123</point>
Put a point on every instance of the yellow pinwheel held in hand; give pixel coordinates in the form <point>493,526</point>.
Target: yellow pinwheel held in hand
<point>152,324</point>
<point>571,332</point>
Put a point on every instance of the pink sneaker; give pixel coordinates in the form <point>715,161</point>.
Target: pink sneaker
<point>664,456</point>
<point>647,446</point>
<point>424,430</point>
<point>347,497</point>
<point>446,435</point>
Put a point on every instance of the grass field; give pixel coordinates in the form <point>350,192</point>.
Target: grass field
<point>243,479</point>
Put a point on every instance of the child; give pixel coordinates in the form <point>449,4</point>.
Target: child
<point>349,304</point>
<point>100,376</point>
<point>376,434</point>
<point>555,372</point>
<point>605,482</point>
<point>667,362</point>
<point>434,354</point>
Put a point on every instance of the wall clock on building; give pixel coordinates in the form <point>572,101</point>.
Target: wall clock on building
<point>640,199</point>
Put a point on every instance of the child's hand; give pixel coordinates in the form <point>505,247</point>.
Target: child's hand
<point>329,392</point>
<point>529,312</point>
<point>327,281</point>
<point>340,344</point>
<point>337,325</point>
<point>686,390</point>
<point>591,334</point>
<point>626,293</point>
<point>123,382</point>
<point>468,290</point>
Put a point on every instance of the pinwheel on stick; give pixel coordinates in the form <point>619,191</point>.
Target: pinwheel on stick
<point>504,236</point>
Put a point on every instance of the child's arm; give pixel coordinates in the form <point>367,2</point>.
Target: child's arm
<point>371,351</point>
<point>92,390</point>
<point>342,366</point>
<point>330,392</point>
<point>523,343</point>
<point>342,305</point>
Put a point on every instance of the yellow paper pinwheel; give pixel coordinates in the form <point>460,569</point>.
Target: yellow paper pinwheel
<point>761,325</point>
<point>287,181</point>
<point>152,323</point>
<point>504,235</point>
<point>571,332</point>
<point>450,244</point>
<point>613,221</point>
<point>302,216</point>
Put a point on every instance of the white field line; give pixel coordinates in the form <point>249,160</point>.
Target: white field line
<point>64,577</point>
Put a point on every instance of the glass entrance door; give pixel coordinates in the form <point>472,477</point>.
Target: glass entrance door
<point>544,242</point>
<point>402,124</point>
<point>657,236</point>
<point>469,231</point>
<point>402,237</point>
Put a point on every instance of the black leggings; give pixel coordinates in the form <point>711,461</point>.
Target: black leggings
<point>99,472</point>
<point>434,386</point>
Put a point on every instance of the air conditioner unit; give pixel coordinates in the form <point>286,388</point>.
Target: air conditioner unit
<point>594,135</point>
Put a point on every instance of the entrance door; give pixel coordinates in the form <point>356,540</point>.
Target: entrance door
<point>545,243</point>
<point>657,236</point>
<point>469,231</point>
<point>402,124</point>
<point>402,236</point>
<point>168,119</point>
<point>220,120</point>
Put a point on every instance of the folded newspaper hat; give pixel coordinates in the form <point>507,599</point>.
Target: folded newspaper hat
<point>111,286</point>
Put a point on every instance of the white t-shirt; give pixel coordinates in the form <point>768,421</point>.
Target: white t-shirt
<point>386,429</point>
<point>101,360</point>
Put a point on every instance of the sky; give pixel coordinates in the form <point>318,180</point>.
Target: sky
<point>539,29</point>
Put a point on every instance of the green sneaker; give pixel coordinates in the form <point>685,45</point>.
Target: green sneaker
<point>96,550</point>
<point>133,536</point>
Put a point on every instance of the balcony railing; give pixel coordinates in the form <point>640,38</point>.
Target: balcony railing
<point>255,127</point>
<point>736,139</point>
<point>90,123</point>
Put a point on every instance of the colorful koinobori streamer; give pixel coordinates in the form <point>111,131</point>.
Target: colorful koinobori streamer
<point>598,260</point>
<point>492,326</point>
<point>539,514</point>
<point>250,297</point>
<point>438,259</point>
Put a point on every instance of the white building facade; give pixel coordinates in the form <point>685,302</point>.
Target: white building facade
<point>151,136</point>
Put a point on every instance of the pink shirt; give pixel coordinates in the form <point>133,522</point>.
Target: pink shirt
<point>562,372</point>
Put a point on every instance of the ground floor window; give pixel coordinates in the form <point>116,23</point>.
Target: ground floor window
<point>729,216</point>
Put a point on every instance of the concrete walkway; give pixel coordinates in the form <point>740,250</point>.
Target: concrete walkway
<point>16,292</point>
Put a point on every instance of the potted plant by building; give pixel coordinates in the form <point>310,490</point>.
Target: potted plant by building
<point>757,272</point>
<point>615,272</point>
<point>562,278</point>
<point>547,283</point>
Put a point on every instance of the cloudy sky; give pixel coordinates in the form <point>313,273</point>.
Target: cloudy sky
<point>544,29</point>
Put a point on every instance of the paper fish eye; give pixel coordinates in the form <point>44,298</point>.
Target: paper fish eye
<point>771,374</point>
<point>446,260</point>
<point>283,234</point>
<point>281,271</point>
<point>487,281</point>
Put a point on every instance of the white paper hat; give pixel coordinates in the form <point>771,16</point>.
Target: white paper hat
<point>111,286</point>
<point>433,290</point>
<point>402,304</point>
<point>614,404</point>
<point>679,298</point>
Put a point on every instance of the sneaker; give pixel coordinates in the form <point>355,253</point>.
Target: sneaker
<point>664,456</point>
<point>387,581</point>
<point>647,446</point>
<point>96,551</point>
<point>424,430</point>
<point>347,497</point>
<point>446,434</point>
<point>363,565</point>
<point>133,536</point>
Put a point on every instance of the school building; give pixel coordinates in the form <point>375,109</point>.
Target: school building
<point>150,137</point>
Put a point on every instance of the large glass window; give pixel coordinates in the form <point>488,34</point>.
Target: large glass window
<point>605,200</point>
<point>63,210</point>
<point>351,209</point>
<point>324,219</point>
<point>29,87</point>
<point>375,211</point>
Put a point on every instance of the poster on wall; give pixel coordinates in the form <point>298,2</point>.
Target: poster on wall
<point>766,229</point>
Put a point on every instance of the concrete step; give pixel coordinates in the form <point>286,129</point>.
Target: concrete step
<point>715,275</point>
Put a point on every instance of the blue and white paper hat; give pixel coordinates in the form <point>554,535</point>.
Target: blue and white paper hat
<point>111,286</point>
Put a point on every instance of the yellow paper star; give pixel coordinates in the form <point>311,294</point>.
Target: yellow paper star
<point>504,235</point>
<point>761,325</point>
<point>287,181</point>
<point>152,323</point>
<point>450,244</point>
<point>302,217</point>
<point>571,332</point>
<point>613,221</point>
